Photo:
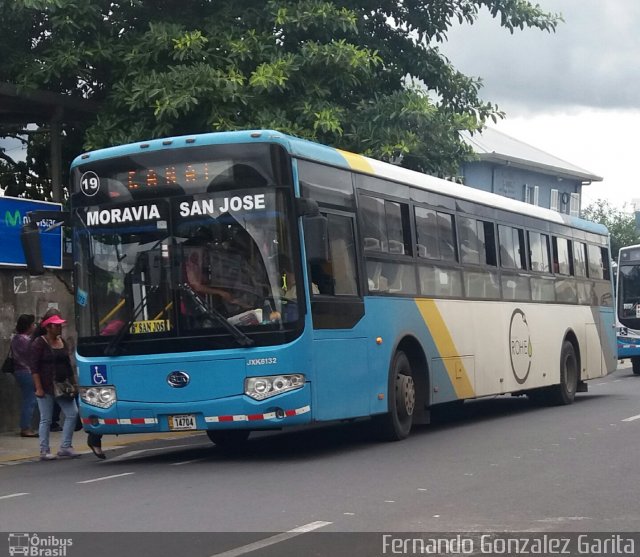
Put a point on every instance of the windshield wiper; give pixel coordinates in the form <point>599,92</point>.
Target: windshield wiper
<point>212,313</point>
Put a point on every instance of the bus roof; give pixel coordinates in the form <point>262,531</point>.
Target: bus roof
<point>629,255</point>
<point>315,151</point>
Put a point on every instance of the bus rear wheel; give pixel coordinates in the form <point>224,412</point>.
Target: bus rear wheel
<point>565,392</point>
<point>396,424</point>
<point>229,438</point>
<point>635,364</point>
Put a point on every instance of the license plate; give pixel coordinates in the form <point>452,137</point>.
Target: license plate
<point>182,422</point>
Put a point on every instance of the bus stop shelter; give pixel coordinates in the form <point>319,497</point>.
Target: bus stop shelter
<point>20,108</point>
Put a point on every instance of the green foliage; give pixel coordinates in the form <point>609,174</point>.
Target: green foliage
<point>620,222</point>
<point>359,75</point>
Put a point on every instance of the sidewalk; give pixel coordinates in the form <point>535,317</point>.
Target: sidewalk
<point>14,448</point>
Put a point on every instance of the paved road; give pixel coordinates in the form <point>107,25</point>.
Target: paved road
<point>501,464</point>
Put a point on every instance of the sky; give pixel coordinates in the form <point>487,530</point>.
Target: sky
<point>574,93</point>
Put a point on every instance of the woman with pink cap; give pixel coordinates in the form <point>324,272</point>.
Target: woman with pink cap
<point>51,362</point>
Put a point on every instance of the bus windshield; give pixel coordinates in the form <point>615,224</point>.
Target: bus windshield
<point>629,295</point>
<point>197,261</point>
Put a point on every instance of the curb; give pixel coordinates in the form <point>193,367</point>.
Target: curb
<point>16,454</point>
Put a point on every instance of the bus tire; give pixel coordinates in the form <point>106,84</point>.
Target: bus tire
<point>228,438</point>
<point>635,364</point>
<point>565,392</point>
<point>396,424</point>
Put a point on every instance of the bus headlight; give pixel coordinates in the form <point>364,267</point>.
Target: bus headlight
<point>102,397</point>
<point>260,388</point>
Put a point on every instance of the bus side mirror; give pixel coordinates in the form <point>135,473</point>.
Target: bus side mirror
<point>316,238</point>
<point>30,239</point>
<point>30,236</point>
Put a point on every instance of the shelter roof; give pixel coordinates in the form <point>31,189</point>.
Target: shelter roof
<point>18,108</point>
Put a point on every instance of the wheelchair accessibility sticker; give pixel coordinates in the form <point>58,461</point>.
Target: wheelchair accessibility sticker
<point>99,375</point>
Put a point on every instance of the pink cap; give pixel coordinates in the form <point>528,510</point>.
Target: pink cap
<point>53,320</point>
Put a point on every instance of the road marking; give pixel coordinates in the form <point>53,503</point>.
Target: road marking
<point>188,461</point>
<point>273,539</point>
<point>13,495</point>
<point>632,418</point>
<point>142,451</point>
<point>106,478</point>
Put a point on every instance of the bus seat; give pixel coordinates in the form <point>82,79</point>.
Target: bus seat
<point>396,247</point>
<point>396,284</point>
<point>374,279</point>
<point>372,244</point>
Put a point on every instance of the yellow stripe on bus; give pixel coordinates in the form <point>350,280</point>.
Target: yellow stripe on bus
<point>357,162</point>
<point>446,348</point>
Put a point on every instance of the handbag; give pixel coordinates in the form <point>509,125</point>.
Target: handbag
<point>64,389</point>
<point>8,366</point>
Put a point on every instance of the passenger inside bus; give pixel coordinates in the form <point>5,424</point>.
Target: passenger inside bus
<point>288,291</point>
<point>195,271</point>
<point>223,267</point>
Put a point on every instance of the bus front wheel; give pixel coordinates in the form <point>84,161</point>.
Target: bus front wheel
<point>396,423</point>
<point>228,438</point>
<point>635,364</point>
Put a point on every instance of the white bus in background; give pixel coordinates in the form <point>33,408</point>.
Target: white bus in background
<point>628,305</point>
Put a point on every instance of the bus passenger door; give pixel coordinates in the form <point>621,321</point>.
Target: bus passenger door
<point>339,344</point>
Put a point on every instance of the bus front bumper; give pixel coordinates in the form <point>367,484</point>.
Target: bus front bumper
<point>239,412</point>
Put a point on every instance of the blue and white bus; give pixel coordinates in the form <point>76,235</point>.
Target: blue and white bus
<point>241,281</point>
<point>628,305</point>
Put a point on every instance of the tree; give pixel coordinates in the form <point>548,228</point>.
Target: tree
<point>361,75</point>
<point>621,224</point>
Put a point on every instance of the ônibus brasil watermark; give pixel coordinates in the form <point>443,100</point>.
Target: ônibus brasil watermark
<point>34,545</point>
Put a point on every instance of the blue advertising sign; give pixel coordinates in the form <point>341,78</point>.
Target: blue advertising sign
<point>13,214</point>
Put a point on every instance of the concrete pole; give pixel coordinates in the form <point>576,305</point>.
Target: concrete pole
<point>56,154</point>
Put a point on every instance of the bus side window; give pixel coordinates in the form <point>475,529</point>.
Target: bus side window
<point>513,254</point>
<point>561,256</point>
<point>374,223</point>
<point>435,234</point>
<point>539,252</point>
<point>338,276</point>
<point>598,262</point>
<point>555,265</point>
<point>606,264</point>
<point>477,242</point>
<point>579,259</point>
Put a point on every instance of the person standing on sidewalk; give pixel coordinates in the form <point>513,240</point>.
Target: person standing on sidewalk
<point>51,362</point>
<point>20,347</point>
<point>38,332</point>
